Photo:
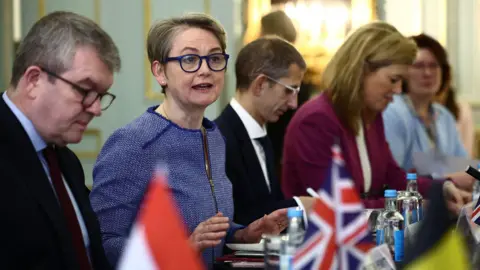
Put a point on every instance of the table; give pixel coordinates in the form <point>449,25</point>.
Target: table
<point>228,266</point>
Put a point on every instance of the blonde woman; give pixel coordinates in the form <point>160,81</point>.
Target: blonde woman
<point>360,82</point>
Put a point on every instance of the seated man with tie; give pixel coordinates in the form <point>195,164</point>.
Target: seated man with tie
<point>269,72</point>
<point>60,77</point>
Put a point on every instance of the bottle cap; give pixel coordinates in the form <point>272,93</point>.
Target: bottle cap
<point>294,212</point>
<point>411,176</point>
<point>390,193</point>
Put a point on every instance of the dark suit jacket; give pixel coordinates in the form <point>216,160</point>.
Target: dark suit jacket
<point>34,231</point>
<point>251,197</point>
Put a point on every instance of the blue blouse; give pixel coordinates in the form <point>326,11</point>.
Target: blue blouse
<point>407,134</point>
<point>126,165</point>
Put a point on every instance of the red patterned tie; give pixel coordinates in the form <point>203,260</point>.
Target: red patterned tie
<point>67,207</point>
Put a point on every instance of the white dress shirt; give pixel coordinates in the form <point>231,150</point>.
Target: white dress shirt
<point>256,131</point>
<point>364,159</point>
<point>40,145</point>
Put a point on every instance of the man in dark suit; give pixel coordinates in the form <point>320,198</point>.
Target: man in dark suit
<point>278,23</point>
<point>269,72</point>
<point>60,77</point>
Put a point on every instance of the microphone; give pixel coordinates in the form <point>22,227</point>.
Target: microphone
<point>473,172</point>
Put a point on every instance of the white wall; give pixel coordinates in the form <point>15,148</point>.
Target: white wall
<point>455,23</point>
<point>405,15</point>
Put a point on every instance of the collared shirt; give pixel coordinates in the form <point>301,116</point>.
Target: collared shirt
<point>40,145</point>
<point>364,159</point>
<point>429,127</point>
<point>406,134</point>
<point>255,131</point>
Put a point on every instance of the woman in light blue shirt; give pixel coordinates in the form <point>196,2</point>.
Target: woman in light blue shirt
<point>413,121</point>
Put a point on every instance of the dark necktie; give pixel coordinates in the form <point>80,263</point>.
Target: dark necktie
<point>67,207</point>
<point>268,149</point>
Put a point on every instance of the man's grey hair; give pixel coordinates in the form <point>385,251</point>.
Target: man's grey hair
<point>53,40</point>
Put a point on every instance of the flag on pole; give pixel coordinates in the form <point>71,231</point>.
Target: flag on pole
<point>337,235</point>
<point>158,239</point>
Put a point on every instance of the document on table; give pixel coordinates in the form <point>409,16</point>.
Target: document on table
<point>378,258</point>
<point>437,164</point>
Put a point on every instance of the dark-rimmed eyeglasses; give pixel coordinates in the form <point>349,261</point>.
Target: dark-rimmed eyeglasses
<point>89,96</point>
<point>295,90</point>
<point>192,62</point>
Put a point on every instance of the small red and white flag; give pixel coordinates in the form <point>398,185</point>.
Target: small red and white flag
<point>158,239</point>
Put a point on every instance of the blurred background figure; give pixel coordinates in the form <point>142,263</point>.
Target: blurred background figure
<point>414,122</point>
<point>462,112</point>
<point>278,23</point>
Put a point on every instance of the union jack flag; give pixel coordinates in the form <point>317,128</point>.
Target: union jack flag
<point>337,234</point>
<point>476,213</point>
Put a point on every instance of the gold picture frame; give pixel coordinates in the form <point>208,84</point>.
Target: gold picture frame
<point>97,135</point>
<point>149,93</point>
<point>41,8</point>
<point>476,144</point>
<point>96,10</point>
<point>7,50</point>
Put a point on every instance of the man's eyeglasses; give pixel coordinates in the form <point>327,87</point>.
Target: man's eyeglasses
<point>295,90</point>
<point>192,62</point>
<point>89,96</point>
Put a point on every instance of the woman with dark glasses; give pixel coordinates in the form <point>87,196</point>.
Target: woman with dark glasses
<point>188,60</point>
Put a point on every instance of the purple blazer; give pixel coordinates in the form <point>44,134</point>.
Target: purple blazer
<point>307,154</point>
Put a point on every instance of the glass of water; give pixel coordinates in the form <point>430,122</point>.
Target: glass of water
<point>271,249</point>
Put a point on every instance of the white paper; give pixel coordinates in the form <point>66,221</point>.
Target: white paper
<point>246,247</point>
<point>260,265</point>
<point>378,258</point>
<point>435,163</point>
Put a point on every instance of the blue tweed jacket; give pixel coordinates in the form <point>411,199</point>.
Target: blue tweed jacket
<point>126,164</point>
